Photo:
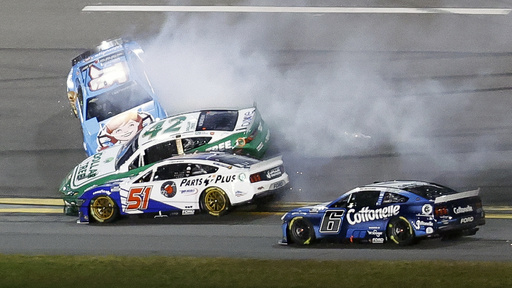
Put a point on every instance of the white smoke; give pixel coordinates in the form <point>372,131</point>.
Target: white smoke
<point>343,107</point>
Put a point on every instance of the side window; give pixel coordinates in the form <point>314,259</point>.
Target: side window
<point>194,142</point>
<point>342,203</point>
<point>145,178</point>
<point>171,171</point>
<point>80,100</point>
<point>390,198</point>
<point>364,199</point>
<point>135,163</point>
<point>197,169</point>
<point>160,151</point>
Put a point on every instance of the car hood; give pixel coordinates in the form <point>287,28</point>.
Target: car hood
<point>93,168</point>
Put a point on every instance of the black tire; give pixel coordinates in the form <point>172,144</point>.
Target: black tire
<point>103,209</point>
<point>215,201</point>
<point>301,231</point>
<point>400,231</point>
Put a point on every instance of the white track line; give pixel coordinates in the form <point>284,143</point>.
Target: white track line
<point>272,9</point>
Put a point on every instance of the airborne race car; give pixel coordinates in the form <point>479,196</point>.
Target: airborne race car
<point>402,212</point>
<point>111,95</point>
<point>181,185</point>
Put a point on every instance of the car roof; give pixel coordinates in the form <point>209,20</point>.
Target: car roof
<point>222,157</point>
<point>399,184</point>
<point>179,124</point>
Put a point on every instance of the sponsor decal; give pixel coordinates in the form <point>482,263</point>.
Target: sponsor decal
<point>467,220</point>
<point>221,146</point>
<point>102,191</point>
<point>426,209</point>
<point>187,212</point>
<point>417,225</point>
<point>377,240</point>
<point>89,169</point>
<point>375,233</point>
<point>366,214</point>
<point>278,185</point>
<point>219,179</point>
<point>460,210</point>
<point>273,173</point>
<point>189,191</point>
<point>248,116</point>
<point>429,230</point>
<point>168,189</point>
<point>240,193</point>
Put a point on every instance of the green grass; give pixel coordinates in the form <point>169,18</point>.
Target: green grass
<point>114,271</point>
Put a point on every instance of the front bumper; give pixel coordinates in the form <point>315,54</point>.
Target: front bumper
<point>70,208</point>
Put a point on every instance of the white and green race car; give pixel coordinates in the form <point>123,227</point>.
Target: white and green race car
<point>239,131</point>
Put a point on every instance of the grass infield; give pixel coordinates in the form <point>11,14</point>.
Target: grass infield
<point>157,271</point>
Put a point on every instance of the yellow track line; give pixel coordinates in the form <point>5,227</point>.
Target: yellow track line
<point>507,210</point>
<point>32,201</point>
<point>33,210</point>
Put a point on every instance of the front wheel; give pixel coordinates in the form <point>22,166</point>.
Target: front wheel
<point>103,209</point>
<point>400,231</point>
<point>301,231</point>
<point>215,201</point>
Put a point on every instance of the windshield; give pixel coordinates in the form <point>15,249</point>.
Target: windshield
<point>223,120</point>
<point>111,103</point>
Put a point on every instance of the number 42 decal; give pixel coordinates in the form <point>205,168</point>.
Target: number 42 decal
<point>331,222</point>
<point>138,198</point>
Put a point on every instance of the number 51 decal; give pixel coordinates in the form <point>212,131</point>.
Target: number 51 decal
<point>138,198</point>
<point>331,222</point>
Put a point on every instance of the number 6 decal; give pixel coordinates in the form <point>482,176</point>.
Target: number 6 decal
<point>331,222</point>
<point>138,198</point>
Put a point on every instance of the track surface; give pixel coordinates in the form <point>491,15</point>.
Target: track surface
<point>351,98</point>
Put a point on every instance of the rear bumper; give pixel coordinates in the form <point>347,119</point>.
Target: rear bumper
<point>466,225</point>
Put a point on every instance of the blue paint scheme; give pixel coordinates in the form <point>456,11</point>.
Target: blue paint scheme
<point>430,209</point>
<point>124,80</point>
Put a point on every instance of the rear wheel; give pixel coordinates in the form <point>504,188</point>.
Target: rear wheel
<point>103,209</point>
<point>215,201</point>
<point>301,231</point>
<point>400,231</point>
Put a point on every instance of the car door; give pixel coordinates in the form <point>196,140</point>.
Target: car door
<point>362,213</point>
<point>179,184</point>
<point>333,217</point>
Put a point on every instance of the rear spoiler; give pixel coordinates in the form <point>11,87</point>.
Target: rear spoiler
<point>267,164</point>
<point>461,195</point>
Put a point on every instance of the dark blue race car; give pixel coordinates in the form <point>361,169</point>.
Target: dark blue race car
<point>110,94</point>
<point>402,212</point>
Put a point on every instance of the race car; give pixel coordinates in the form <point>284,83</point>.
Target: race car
<point>401,212</point>
<point>212,182</point>
<point>110,93</point>
<point>239,131</point>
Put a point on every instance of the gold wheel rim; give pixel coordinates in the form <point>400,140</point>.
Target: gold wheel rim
<point>103,208</point>
<point>215,201</point>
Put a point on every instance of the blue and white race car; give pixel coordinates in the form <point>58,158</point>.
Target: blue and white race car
<point>402,212</point>
<point>182,185</point>
<point>110,93</point>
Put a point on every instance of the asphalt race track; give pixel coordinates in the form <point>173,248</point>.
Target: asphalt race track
<point>352,98</point>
